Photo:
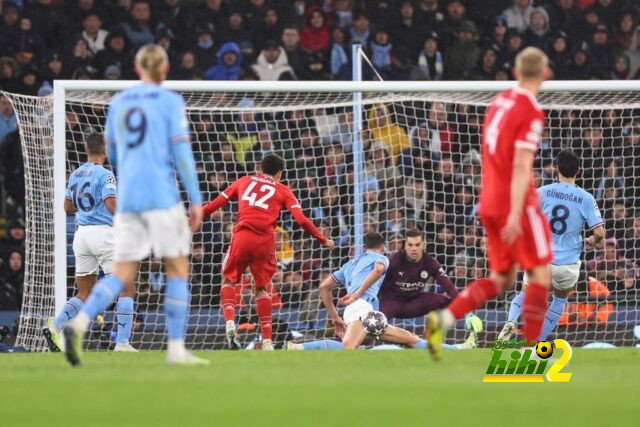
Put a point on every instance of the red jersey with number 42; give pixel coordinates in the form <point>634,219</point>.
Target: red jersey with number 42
<point>260,200</point>
<point>514,120</point>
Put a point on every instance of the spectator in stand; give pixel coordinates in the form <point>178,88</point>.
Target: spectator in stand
<point>8,120</point>
<point>518,16</point>
<point>236,31</point>
<point>93,33</point>
<point>269,29</point>
<point>272,63</point>
<point>360,31</point>
<point>204,50</point>
<point>624,29</point>
<point>487,67</point>
<point>229,66</point>
<point>137,28</point>
<point>380,48</point>
<point>498,33</point>
<point>10,28</point>
<point>455,17</point>
<point>559,56</point>
<point>580,66</point>
<point>296,55</point>
<point>80,57</point>
<point>14,239</point>
<point>443,135</point>
<point>48,18</point>
<point>385,131</point>
<point>613,268</point>
<point>342,13</point>
<point>601,52</point>
<point>401,67</point>
<point>315,36</point>
<point>430,58</point>
<point>28,45</point>
<point>565,15</point>
<point>315,69</point>
<point>462,56</point>
<point>537,33</point>
<point>9,72</point>
<point>415,161</point>
<point>621,67</point>
<point>11,280</point>
<point>514,46</point>
<point>408,30</point>
<point>338,55</point>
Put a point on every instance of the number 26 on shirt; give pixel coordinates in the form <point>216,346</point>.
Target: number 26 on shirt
<point>491,137</point>
<point>250,196</point>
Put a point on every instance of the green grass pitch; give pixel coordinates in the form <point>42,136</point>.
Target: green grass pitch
<point>321,388</point>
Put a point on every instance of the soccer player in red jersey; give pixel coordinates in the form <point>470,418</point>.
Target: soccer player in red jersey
<point>517,231</point>
<point>253,245</point>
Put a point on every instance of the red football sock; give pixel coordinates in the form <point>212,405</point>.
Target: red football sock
<point>263,307</point>
<point>534,308</point>
<point>473,297</point>
<point>228,298</point>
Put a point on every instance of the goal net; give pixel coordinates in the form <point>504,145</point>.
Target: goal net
<point>421,169</point>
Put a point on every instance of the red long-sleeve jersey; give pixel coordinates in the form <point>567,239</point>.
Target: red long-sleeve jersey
<point>260,200</point>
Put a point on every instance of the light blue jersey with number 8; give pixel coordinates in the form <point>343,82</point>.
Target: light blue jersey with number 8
<point>145,125</point>
<point>569,210</point>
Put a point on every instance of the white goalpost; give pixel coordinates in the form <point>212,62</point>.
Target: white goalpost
<point>418,166</point>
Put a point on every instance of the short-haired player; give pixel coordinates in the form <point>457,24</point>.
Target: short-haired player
<point>571,210</point>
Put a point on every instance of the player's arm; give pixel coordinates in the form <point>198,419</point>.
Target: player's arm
<point>593,220</point>
<point>69,207</point>
<point>109,192</point>
<point>110,137</point>
<point>526,145</point>
<point>327,285</point>
<point>441,278</point>
<point>223,198</point>
<point>375,274</point>
<point>595,241</point>
<point>293,206</point>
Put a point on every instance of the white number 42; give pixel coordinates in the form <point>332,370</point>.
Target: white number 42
<point>251,196</point>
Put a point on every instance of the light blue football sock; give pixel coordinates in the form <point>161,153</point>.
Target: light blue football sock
<point>103,294</point>
<point>176,305</point>
<point>124,312</point>
<point>516,307</point>
<point>69,311</point>
<point>323,345</point>
<point>553,316</point>
<point>423,344</point>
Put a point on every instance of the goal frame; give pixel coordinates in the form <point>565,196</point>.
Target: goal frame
<point>60,87</point>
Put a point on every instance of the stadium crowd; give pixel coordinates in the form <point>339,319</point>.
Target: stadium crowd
<point>422,159</point>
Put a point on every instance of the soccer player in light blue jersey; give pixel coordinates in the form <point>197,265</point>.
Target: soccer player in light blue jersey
<point>362,276</point>
<point>570,211</point>
<point>147,136</point>
<point>91,196</point>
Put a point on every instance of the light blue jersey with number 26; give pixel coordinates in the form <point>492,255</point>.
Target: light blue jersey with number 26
<point>569,210</point>
<point>145,126</point>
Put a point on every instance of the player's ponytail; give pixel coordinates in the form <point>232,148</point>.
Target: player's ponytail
<point>153,60</point>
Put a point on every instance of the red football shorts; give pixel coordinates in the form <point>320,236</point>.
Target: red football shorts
<point>532,248</point>
<point>256,251</point>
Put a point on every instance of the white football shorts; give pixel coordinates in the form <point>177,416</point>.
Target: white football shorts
<point>563,277</point>
<point>93,248</point>
<point>356,311</point>
<point>165,233</point>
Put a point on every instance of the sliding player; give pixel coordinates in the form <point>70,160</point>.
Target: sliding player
<point>147,134</point>
<point>260,200</point>
<point>91,195</point>
<point>403,293</point>
<point>517,231</point>
<point>570,210</point>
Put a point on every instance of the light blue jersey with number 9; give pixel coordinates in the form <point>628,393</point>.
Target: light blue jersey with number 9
<point>144,123</point>
<point>569,210</point>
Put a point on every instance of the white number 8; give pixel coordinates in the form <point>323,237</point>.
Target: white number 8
<point>250,196</point>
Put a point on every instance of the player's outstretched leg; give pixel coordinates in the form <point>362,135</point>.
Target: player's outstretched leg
<point>102,295</point>
<point>263,307</point>
<point>228,300</point>
<point>316,345</point>
<point>124,318</point>
<point>515,309</point>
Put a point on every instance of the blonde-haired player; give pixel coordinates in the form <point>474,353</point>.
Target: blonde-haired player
<point>146,133</point>
<point>517,230</point>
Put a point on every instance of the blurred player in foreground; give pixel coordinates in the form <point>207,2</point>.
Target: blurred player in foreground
<point>362,276</point>
<point>253,245</point>
<point>91,195</point>
<point>147,133</point>
<point>570,210</point>
<point>517,231</point>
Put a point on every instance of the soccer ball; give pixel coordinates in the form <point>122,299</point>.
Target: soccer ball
<point>544,350</point>
<point>375,323</point>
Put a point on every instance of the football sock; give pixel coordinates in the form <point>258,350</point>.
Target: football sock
<point>553,316</point>
<point>473,297</point>
<point>69,311</point>
<point>534,308</point>
<point>516,307</point>
<point>103,294</point>
<point>176,305</point>
<point>263,307</point>
<point>323,345</point>
<point>228,298</point>
<point>124,312</point>
<point>421,344</point>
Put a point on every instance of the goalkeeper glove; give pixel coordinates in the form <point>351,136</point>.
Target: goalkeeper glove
<point>473,322</point>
